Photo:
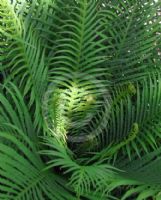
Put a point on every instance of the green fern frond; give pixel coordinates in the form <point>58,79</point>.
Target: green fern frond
<point>83,178</point>
<point>80,100</point>
<point>22,171</point>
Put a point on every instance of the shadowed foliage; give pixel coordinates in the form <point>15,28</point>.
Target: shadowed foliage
<point>80,100</point>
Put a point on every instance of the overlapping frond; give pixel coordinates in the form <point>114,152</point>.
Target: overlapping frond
<point>133,34</point>
<point>142,176</point>
<point>22,175</point>
<point>78,52</point>
<point>24,57</point>
<point>14,111</point>
<point>85,75</point>
<point>83,178</point>
<point>144,109</point>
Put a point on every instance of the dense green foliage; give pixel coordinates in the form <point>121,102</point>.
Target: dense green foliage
<point>80,100</point>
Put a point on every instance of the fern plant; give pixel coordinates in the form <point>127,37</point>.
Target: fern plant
<point>80,100</point>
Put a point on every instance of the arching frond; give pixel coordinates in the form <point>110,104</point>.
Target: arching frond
<point>22,175</point>
<point>83,178</point>
<point>25,61</point>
